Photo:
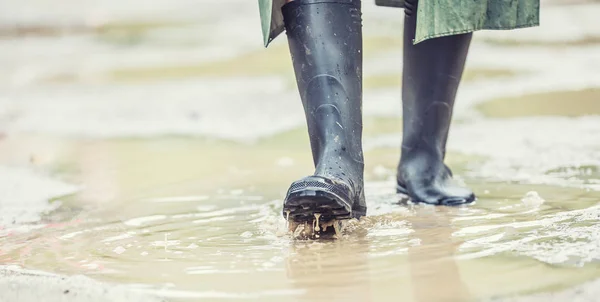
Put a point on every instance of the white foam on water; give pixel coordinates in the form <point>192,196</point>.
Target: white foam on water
<point>119,237</point>
<point>77,233</point>
<point>213,219</point>
<point>532,199</point>
<point>166,243</point>
<point>176,199</point>
<point>144,220</point>
<point>568,238</point>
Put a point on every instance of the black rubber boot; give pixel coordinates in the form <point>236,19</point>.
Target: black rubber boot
<point>325,40</point>
<point>431,75</point>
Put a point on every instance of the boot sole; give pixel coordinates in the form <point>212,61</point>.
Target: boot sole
<point>313,195</point>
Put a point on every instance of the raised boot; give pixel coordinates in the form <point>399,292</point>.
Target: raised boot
<point>431,74</point>
<point>325,41</point>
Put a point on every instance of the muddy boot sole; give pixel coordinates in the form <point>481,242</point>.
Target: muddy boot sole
<point>317,195</point>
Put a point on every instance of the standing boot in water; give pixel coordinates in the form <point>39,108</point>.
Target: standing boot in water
<point>325,41</point>
<point>431,74</point>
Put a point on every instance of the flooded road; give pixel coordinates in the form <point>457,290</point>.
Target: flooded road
<point>151,149</point>
<point>215,231</point>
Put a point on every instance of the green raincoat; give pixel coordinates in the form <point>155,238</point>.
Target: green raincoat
<point>435,18</point>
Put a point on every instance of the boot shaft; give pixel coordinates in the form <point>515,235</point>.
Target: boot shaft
<point>432,72</point>
<point>325,41</point>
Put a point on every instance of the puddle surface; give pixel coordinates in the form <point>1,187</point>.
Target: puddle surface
<point>183,135</point>
<point>178,236</point>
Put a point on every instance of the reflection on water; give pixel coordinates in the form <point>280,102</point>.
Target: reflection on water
<point>432,261</point>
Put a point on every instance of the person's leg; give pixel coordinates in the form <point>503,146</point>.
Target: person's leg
<point>325,41</point>
<point>431,74</point>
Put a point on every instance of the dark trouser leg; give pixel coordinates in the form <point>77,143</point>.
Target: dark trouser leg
<point>431,75</point>
<point>325,41</point>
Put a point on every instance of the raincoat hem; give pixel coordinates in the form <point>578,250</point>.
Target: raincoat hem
<point>476,28</point>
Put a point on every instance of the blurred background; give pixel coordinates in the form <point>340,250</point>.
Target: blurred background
<point>150,143</point>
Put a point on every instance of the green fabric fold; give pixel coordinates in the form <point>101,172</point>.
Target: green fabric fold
<point>435,18</point>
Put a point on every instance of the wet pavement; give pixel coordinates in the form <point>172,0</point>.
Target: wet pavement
<point>149,149</point>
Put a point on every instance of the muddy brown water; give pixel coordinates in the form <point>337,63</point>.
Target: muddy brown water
<point>186,229</point>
